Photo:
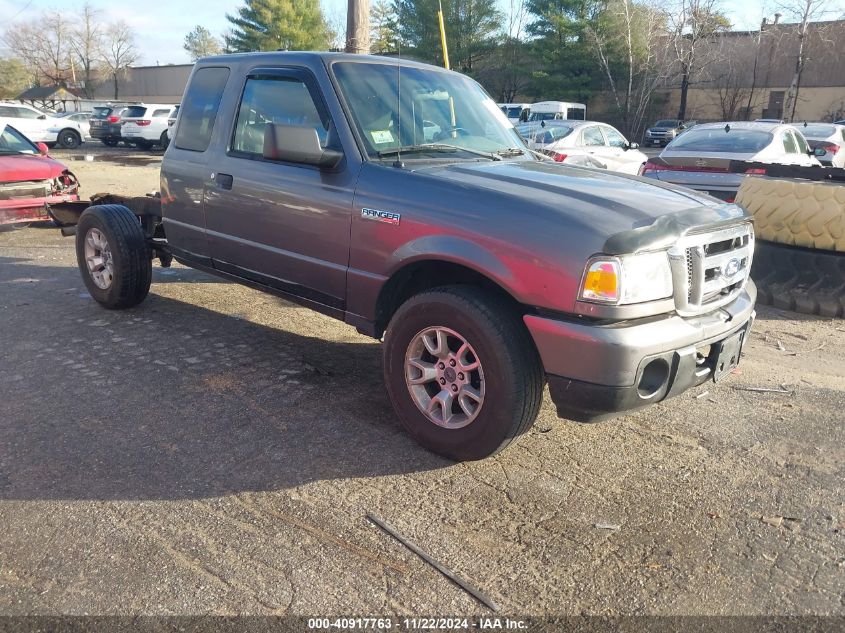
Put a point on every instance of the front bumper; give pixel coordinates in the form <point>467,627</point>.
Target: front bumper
<point>597,371</point>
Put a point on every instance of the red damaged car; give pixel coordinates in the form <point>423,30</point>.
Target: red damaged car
<point>30,181</point>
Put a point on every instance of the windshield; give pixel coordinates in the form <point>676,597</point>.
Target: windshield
<point>134,112</point>
<point>13,142</point>
<point>736,141</point>
<point>667,123</point>
<point>514,111</point>
<point>817,131</point>
<point>437,107</point>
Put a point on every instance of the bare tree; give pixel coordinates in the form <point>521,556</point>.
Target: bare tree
<point>628,39</point>
<point>804,12</point>
<point>692,24</point>
<point>43,45</point>
<point>86,43</point>
<point>118,52</point>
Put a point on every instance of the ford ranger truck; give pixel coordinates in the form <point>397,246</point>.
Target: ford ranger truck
<point>397,197</point>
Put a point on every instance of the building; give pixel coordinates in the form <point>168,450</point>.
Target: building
<point>749,73</point>
<point>56,98</point>
<point>150,84</point>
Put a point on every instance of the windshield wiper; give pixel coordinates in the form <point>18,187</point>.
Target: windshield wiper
<point>511,151</point>
<point>436,147</point>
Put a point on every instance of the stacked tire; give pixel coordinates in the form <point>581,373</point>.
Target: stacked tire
<point>799,260</point>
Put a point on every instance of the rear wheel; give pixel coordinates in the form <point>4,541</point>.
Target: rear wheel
<point>462,371</point>
<point>69,139</point>
<point>109,142</point>
<point>164,140</point>
<point>113,256</point>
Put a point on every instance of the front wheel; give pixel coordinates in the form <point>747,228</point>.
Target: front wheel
<point>462,371</point>
<point>113,256</point>
<point>69,139</point>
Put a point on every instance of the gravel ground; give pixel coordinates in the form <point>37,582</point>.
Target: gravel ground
<point>216,450</point>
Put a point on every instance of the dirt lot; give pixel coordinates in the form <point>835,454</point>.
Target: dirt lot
<point>216,450</point>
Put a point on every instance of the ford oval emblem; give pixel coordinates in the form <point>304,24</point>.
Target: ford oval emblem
<point>732,267</point>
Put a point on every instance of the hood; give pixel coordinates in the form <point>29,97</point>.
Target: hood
<point>20,167</point>
<point>605,204</point>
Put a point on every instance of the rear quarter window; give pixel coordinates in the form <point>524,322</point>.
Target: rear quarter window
<point>160,113</point>
<point>198,110</point>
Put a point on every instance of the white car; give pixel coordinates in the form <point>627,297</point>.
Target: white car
<point>701,157</point>
<point>570,141</point>
<point>145,125</point>
<point>72,129</point>
<point>827,136</point>
<point>171,127</point>
<point>32,123</point>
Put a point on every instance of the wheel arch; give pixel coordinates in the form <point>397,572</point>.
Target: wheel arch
<point>431,271</point>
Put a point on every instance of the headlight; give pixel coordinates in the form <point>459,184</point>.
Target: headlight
<point>627,279</point>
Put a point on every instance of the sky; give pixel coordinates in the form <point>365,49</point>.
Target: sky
<point>161,25</point>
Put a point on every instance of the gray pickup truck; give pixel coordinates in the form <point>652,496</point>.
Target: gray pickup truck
<point>397,197</point>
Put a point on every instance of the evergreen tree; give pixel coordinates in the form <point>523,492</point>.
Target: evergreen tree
<point>384,27</point>
<point>267,25</point>
<point>201,43</point>
<point>471,28</point>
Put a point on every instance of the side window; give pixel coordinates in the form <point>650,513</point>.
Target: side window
<point>160,112</point>
<point>614,138</point>
<point>592,136</point>
<point>788,143</point>
<point>26,113</point>
<point>6,111</point>
<point>802,144</point>
<point>199,108</point>
<point>265,100</point>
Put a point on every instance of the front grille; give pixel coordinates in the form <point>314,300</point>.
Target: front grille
<point>710,269</point>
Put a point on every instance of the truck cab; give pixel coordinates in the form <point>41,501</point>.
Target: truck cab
<point>397,197</point>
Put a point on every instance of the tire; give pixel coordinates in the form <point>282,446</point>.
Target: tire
<point>145,145</point>
<point>803,280</point>
<point>127,281</point>
<point>164,140</point>
<point>510,376</point>
<point>69,139</point>
<point>796,212</point>
<point>109,142</point>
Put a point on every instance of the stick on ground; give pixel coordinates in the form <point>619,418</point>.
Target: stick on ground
<point>463,584</point>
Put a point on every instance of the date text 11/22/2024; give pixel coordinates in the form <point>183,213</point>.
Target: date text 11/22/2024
<point>416,624</point>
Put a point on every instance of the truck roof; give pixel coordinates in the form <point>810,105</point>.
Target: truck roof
<point>312,57</point>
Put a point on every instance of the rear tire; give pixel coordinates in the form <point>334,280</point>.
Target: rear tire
<point>69,139</point>
<point>109,142</point>
<point>164,140</point>
<point>509,378</point>
<point>113,256</point>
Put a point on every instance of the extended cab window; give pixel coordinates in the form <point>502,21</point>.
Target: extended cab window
<point>281,100</point>
<point>199,108</point>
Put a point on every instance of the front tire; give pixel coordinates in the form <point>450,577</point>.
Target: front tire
<point>69,139</point>
<point>113,256</point>
<point>462,371</point>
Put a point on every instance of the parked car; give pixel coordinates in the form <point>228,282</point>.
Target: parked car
<point>516,112</point>
<point>827,136</point>
<point>569,141</point>
<point>700,158</point>
<point>73,129</point>
<point>145,125</point>
<point>488,272</point>
<point>664,131</point>
<point>31,122</point>
<point>557,111</point>
<point>171,122</point>
<point>105,124</point>
<point>29,179</point>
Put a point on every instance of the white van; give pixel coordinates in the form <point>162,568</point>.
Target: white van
<point>558,110</point>
<point>516,112</point>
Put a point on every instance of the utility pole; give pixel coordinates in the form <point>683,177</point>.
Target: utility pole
<point>358,26</point>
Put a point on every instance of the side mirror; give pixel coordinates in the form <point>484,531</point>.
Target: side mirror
<point>43,116</point>
<point>298,144</point>
<point>818,152</point>
<point>632,146</point>
<point>42,148</point>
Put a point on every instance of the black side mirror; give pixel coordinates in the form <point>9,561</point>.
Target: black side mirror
<point>298,144</point>
<point>43,116</point>
<point>632,146</point>
<point>818,152</point>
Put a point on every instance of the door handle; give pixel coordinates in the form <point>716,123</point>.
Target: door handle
<point>224,181</point>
